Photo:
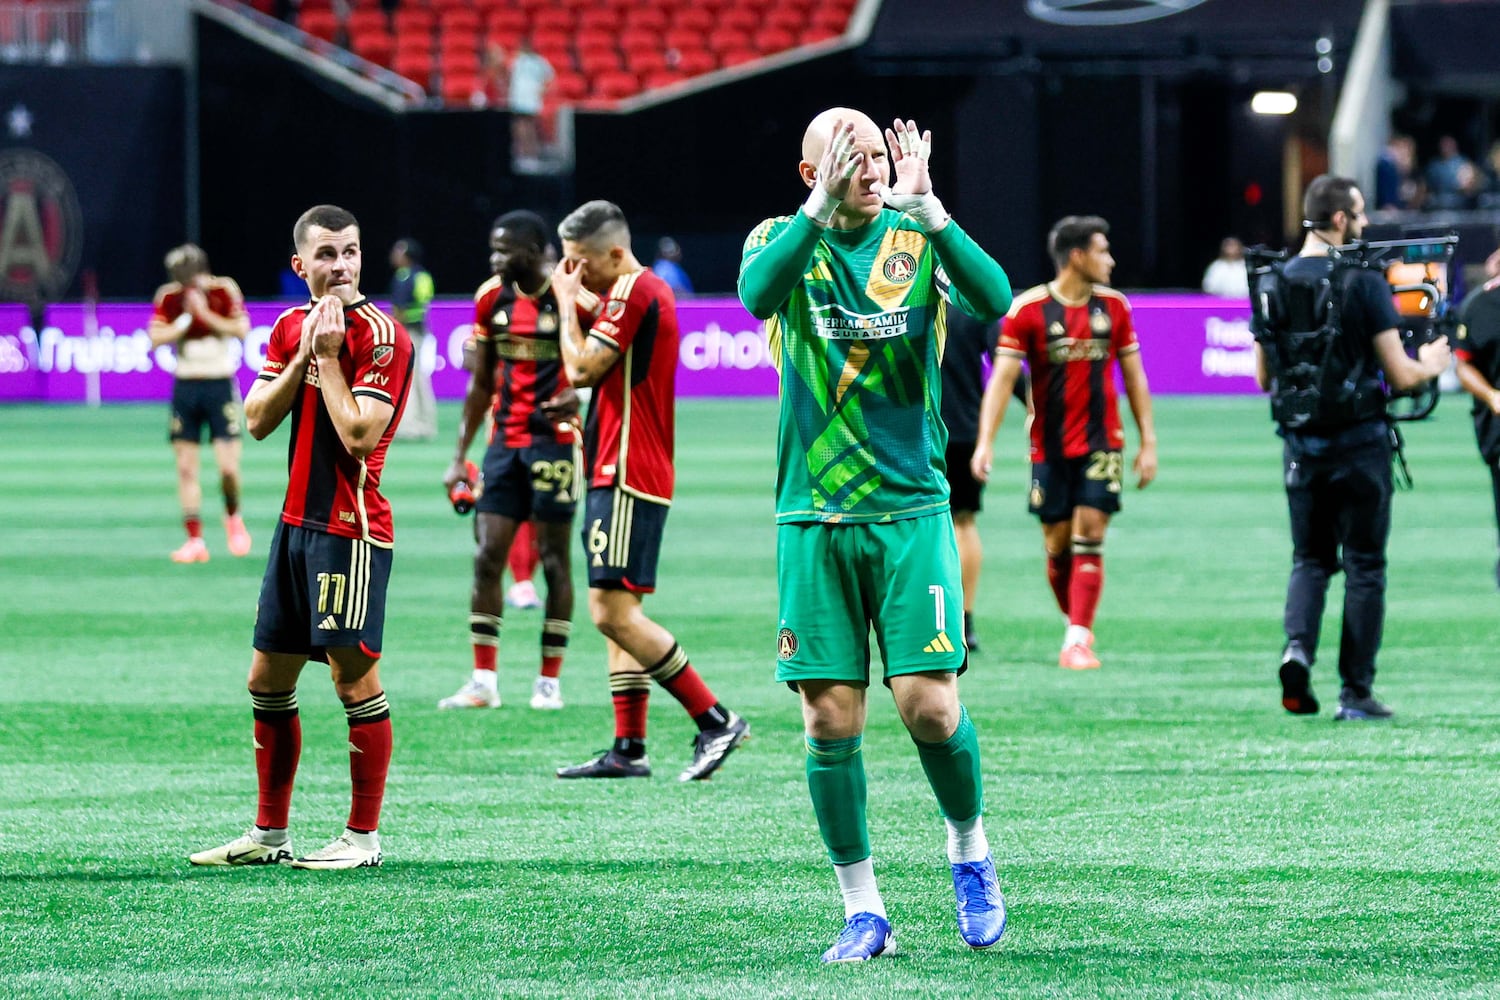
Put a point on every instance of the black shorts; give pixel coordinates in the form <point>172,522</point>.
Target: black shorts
<point>622,537</point>
<point>540,482</point>
<point>199,401</point>
<point>966,492</point>
<point>1091,480</point>
<point>321,591</point>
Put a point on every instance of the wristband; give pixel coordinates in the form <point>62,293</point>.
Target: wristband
<point>925,209</point>
<point>820,205</point>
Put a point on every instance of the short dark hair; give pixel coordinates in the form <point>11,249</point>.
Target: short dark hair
<point>528,227</point>
<point>1327,194</point>
<point>329,217</point>
<point>1073,232</point>
<point>411,248</point>
<point>593,219</point>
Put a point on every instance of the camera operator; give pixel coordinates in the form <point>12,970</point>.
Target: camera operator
<point>1478,353</point>
<point>1338,445</point>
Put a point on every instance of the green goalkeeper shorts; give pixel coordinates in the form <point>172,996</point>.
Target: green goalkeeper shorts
<point>838,581</point>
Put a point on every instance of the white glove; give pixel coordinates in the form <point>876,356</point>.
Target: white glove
<point>925,209</point>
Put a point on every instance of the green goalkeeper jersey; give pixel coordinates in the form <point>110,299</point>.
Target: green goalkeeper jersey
<point>856,321</point>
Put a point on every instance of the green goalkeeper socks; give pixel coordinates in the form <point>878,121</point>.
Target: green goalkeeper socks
<point>952,768</point>
<point>836,779</point>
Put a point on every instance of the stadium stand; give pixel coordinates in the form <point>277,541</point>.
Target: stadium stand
<point>603,51</point>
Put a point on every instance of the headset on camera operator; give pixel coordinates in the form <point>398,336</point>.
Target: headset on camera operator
<point>1328,349</point>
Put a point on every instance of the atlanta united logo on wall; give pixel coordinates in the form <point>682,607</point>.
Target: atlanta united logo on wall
<point>900,268</point>
<point>41,227</point>
<point>1100,13</point>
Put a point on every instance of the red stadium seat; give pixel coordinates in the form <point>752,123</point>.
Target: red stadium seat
<point>365,20</point>
<point>458,89</point>
<point>458,61</point>
<point>377,46</point>
<point>662,78</point>
<point>409,19</point>
<point>322,24</point>
<point>647,18</point>
<point>774,40</point>
<point>737,57</point>
<point>696,62</point>
<point>415,66</point>
<point>594,38</point>
<point>642,62</point>
<point>507,20</point>
<point>595,62</point>
<point>459,19</point>
<point>414,42</point>
<point>721,40</point>
<point>569,87</point>
<point>441,6</point>
<point>551,40</point>
<point>814,35</point>
<point>614,86</point>
<point>832,19</point>
<point>639,38</point>
<point>552,19</point>
<point>738,19</point>
<point>599,19</point>
<point>560,57</point>
<point>695,18</point>
<point>317,5</point>
<point>684,39</point>
<point>785,18</point>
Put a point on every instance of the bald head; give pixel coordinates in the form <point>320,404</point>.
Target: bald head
<point>815,139</point>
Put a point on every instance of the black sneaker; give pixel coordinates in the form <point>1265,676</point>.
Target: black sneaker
<point>711,746</point>
<point>1366,709</point>
<point>971,637</point>
<point>609,764</point>
<point>1296,683</point>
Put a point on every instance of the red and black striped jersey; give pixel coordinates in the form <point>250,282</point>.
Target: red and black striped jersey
<point>1070,348</point>
<point>629,436</point>
<point>518,334</point>
<point>329,489</point>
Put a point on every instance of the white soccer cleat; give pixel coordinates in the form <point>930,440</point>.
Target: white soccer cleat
<point>194,550</point>
<point>245,850</point>
<point>347,850</point>
<point>523,595</point>
<point>474,694</point>
<point>546,694</point>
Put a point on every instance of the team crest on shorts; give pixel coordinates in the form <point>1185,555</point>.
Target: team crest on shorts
<point>786,644</point>
<point>1038,495</point>
<point>900,267</point>
<point>382,354</point>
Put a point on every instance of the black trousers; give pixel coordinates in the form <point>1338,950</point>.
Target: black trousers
<point>1338,492</point>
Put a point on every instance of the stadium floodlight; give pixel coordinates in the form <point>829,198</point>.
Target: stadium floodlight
<point>1273,102</point>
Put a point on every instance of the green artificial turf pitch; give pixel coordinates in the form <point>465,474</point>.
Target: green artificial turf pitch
<point>1161,826</point>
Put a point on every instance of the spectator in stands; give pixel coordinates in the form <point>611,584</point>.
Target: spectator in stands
<point>1226,275</point>
<point>1453,178</point>
<point>1396,183</point>
<point>494,79</point>
<point>668,266</point>
<point>1491,196</point>
<point>530,75</point>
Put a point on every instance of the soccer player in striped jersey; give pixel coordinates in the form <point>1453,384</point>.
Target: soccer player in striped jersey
<point>1071,332</point>
<point>341,369</point>
<point>619,336</point>
<point>855,289</point>
<point>531,465</point>
<point>199,313</point>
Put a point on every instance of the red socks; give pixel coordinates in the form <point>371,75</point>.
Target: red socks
<point>278,746</point>
<point>369,760</point>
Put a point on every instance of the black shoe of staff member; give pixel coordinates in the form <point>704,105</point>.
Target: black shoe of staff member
<point>1296,682</point>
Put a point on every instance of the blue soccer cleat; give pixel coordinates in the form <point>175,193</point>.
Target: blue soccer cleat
<point>864,936</point>
<point>981,907</point>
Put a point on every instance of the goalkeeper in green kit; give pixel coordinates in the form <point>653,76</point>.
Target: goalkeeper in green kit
<point>854,289</point>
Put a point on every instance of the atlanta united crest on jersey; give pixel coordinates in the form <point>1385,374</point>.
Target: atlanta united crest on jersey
<point>858,345</point>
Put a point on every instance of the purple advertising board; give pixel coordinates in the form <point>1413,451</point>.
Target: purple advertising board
<point>1190,344</point>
